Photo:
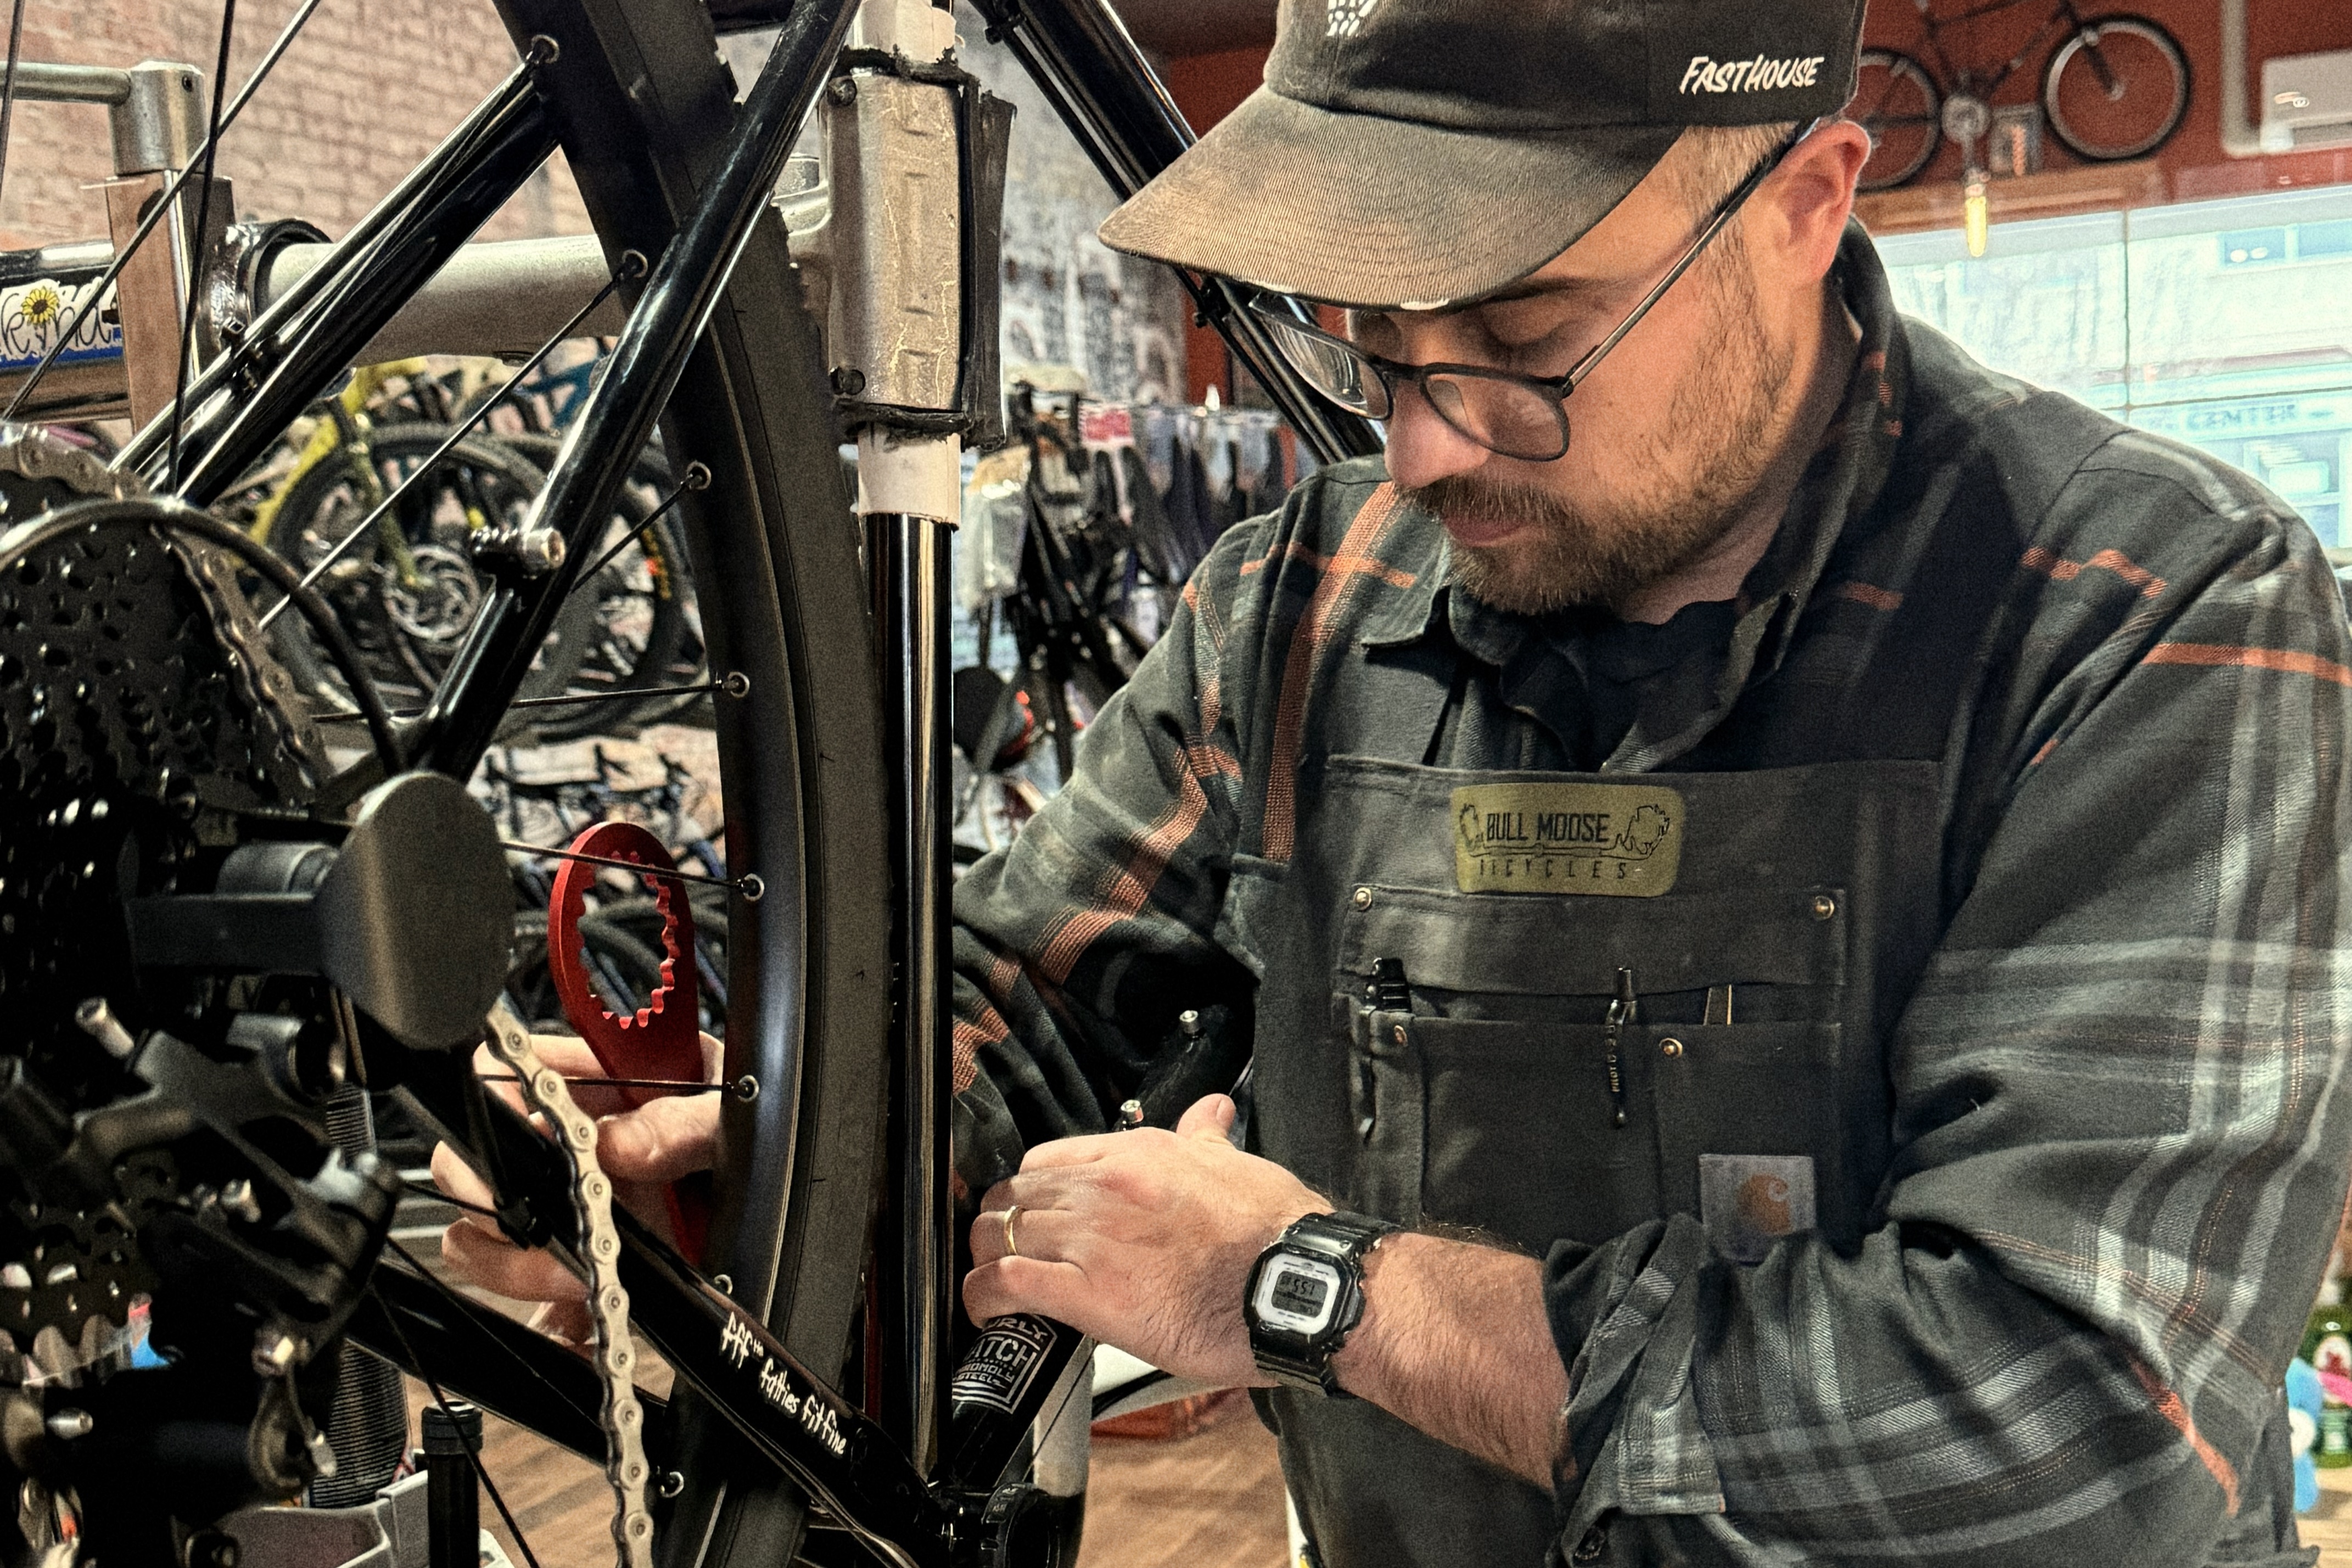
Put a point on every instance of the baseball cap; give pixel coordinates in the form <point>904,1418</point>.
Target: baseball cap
<point>1415,153</point>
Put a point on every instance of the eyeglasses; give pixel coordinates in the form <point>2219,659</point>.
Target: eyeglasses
<point>1521,416</point>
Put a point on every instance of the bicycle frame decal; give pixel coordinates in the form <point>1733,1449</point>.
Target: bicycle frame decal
<point>775,1380</point>
<point>1003,1363</point>
<point>31,313</point>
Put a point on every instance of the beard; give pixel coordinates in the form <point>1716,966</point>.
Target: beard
<point>1694,473</point>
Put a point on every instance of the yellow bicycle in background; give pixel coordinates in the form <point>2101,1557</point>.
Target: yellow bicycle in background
<point>408,595</point>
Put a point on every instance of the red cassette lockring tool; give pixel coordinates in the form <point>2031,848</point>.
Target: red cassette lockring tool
<point>660,1040</point>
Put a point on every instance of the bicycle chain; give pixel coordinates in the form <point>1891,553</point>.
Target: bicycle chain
<point>261,679</point>
<point>622,1418</point>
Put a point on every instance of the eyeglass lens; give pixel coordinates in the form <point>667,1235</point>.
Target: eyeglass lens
<point>1332,368</point>
<point>1503,415</point>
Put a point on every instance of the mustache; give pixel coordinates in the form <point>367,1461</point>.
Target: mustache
<point>1468,498</point>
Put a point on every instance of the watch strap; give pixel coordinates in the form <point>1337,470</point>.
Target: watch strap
<point>1340,1238</point>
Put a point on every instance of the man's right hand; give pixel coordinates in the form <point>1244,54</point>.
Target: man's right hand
<point>643,1150</point>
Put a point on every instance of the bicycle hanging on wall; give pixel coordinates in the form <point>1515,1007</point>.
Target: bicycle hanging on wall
<point>228,940</point>
<point>2112,88</point>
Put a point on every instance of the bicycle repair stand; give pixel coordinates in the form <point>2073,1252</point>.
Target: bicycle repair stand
<point>914,161</point>
<point>156,113</point>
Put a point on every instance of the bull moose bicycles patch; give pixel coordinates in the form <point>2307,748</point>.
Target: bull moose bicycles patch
<point>1622,841</point>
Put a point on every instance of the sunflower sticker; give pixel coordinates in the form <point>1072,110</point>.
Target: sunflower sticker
<point>32,315</point>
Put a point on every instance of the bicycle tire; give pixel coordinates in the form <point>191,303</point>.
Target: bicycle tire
<point>671,654</point>
<point>2073,136</point>
<point>1893,123</point>
<point>402,663</point>
<point>644,104</point>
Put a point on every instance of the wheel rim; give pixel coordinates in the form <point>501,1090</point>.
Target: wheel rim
<point>1895,101</point>
<point>2128,109</point>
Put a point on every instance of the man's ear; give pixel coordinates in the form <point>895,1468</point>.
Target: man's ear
<point>1809,199</point>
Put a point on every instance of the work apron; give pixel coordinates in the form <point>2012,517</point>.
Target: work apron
<point>1769,927</point>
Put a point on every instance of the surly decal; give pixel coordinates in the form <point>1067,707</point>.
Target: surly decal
<point>1002,1362</point>
<point>31,315</point>
<point>1342,18</point>
<point>1615,840</point>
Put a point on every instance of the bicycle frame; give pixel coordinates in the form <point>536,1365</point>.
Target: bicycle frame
<point>1931,25</point>
<point>854,1467</point>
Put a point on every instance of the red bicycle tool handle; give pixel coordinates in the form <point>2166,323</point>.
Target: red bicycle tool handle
<point>660,1039</point>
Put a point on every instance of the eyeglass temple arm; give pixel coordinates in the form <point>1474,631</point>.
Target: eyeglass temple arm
<point>1724,214</point>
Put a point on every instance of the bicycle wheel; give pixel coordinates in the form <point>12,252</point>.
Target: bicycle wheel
<point>643,104</point>
<point>2116,89</point>
<point>646,109</point>
<point>644,635</point>
<point>408,605</point>
<point>1895,100</point>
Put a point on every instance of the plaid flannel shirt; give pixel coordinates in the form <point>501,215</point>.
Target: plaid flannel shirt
<point>2122,1139</point>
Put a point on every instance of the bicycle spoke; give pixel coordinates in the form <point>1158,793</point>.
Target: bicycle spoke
<point>633,265</point>
<point>196,247</point>
<point>427,1190</point>
<point>8,87</point>
<point>473,1453</point>
<point>71,322</point>
<point>697,478</point>
<point>748,885</point>
<point>667,1085</point>
<point>733,686</point>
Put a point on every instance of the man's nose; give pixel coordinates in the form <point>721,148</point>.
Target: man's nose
<point>1422,447</point>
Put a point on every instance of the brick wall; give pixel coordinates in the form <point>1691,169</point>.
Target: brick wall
<point>369,88</point>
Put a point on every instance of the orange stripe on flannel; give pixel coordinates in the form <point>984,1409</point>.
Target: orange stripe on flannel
<point>2214,654</point>
<point>969,1035</point>
<point>1394,576</point>
<point>2168,1406</point>
<point>1877,598</point>
<point>1208,761</point>
<point>1349,567</point>
<point>964,1044</point>
<point>2061,570</point>
<point>1128,887</point>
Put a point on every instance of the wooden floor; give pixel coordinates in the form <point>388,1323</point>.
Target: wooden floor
<point>2329,1526</point>
<point>1212,1499</point>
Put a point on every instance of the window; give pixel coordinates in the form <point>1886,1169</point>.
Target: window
<point>2226,324</point>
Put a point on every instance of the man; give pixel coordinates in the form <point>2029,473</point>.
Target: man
<point>1802,873</point>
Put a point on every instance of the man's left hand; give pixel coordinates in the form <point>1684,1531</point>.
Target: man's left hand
<point>1142,1239</point>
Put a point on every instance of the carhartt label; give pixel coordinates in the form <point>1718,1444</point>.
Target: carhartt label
<point>1760,75</point>
<point>1002,1363</point>
<point>1748,1202</point>
<point>1622,841</point>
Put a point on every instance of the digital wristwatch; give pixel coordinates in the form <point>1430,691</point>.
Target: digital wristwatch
<point>1305,1294</point>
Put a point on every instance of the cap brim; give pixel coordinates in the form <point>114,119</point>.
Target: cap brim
<point>1378,214</point>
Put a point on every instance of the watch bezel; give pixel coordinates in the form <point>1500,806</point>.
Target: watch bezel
<point>1333,1241</point>
<point>1270,1314</point>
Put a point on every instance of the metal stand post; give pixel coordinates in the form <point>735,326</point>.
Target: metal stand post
<point>453,1496</point>
<point>907,556</point>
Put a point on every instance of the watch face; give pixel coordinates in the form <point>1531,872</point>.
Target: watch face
<point>1297,1295</point>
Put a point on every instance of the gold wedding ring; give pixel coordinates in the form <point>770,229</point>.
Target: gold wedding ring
<point>1012,1247</point>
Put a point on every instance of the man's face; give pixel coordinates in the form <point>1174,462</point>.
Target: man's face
<point>1669,436</point>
